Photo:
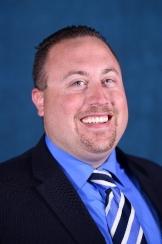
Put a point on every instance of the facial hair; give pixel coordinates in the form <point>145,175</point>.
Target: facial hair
<point>94,143</point>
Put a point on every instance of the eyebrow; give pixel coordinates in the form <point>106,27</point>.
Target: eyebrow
<point>105,71</point>
<point>75,72</point>
<point>84,73</point>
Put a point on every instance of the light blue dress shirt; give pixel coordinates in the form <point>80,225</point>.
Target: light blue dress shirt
<point>78,173</point>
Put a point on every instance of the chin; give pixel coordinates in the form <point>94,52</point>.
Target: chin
<point>99,147</point>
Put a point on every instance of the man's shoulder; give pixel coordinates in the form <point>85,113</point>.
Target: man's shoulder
<point>16,169</point>
<point>144,163</point>
<point>140,164</point>
<point>25,168</point>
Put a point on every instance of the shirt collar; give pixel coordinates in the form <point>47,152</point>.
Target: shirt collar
<point>77,171</point>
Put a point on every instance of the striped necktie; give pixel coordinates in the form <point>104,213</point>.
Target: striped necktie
<point>122,222</point>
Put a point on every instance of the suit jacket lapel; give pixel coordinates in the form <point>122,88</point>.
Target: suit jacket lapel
<point>62,198</point>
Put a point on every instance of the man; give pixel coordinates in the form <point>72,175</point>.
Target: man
<point>76,186</point>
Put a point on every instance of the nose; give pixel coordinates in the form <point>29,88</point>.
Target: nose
<point>97,94</point>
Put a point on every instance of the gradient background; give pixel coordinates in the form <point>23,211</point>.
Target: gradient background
<point>133,28</point>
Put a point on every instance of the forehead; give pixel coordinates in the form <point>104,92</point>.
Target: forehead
<point>79,44</point>
<point>80,51</point>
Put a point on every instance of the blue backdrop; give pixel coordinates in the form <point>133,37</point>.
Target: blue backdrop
<point>134,29</point>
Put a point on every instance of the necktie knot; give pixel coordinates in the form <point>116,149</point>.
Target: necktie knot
<point>102,178</point>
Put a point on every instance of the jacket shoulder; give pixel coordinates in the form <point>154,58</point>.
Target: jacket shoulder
<point>16,169</point>
<point>140,166</point>
<point>145,164</point>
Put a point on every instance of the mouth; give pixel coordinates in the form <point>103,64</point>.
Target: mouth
<point>96,119</point>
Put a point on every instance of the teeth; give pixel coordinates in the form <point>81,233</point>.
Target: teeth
<point>96,119</point>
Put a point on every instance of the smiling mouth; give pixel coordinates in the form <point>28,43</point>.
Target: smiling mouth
<point>98,119</point>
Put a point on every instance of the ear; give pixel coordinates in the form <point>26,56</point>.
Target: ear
<point>38,100</point>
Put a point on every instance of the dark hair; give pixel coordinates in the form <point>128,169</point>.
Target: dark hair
<point>39,74</point>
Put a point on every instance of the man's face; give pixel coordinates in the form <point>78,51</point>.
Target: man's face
<point>84,105</point>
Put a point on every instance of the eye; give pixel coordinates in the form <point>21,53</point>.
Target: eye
<point>79,84</point>
<point>108,82</point>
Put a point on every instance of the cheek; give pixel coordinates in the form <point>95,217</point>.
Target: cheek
<point>123,111</point>
<point>119,98</point>
<point>70,104</point>
<point>120,103</point>
<point>63,106</point>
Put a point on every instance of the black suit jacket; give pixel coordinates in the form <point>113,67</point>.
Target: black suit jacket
<point>39,205</point>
